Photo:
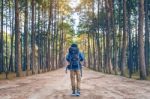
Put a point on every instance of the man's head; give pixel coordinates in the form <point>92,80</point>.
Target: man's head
<point>73,48</point>
<point>74,45</point>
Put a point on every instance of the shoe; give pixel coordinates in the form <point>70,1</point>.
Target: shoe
<point>73,93</point>
<point>78,93</point>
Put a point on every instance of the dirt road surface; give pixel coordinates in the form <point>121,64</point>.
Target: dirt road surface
<point>56,85</point>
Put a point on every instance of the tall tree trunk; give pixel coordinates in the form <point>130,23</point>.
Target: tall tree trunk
<point>26,51</point>
<point>55,33</point>
<point>49,36</point>
<point>33,39</point>
<point>17,41</point>
<point>98,40</point>
<point>6,48</point>
<point>140,40</point>
<point>108,37</point>
<point>39,39</point>
<point>52,54</point>
<point>11,63</point>
<point>136,47</point>
<point>94,53</point>
<point>93,37</point>
<point>1,39</point>
<point>104,51</point>
<point>130,45</point>
<point>115,45</point>
<point>56,44</point>
<point>120,34</point>
<point>104,39</point>
<point>45,41</point>
<point>130,58</point>
<point>61,44</point>
<point>124,47</point>
<point>147,40</point>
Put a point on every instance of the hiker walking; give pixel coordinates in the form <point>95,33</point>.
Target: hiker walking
<point>74,57</point>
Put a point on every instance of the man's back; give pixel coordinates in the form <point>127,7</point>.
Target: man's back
<point>74,57</point>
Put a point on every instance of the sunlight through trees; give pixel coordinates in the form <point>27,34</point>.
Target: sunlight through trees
<point>113,34</point>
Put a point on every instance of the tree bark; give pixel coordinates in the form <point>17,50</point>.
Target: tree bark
<point>147,44</point>
<point>17,41</point>
<point>141,41</point>
<point>1,39</point>
<point>11,62</point>
<point>108,37</point>
<point>124,43</point>
<point>26,51</point>
<point>33,39</point>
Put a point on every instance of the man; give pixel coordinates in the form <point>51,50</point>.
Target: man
<point>74,57</point>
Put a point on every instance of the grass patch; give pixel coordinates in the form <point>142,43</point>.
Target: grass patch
<point>148,78</point>
<point>11,75</point>
<point>135,75</point>
<point>2,76</point>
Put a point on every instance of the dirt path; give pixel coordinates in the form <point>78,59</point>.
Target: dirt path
<point>56,85</point>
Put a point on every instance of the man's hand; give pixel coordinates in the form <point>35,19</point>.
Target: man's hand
<point>66,71</point>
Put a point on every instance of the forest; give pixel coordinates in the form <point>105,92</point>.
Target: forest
<point>114,36</point>
<point>117,36</point>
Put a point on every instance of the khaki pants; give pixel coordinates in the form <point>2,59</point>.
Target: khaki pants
<point>75,79</point>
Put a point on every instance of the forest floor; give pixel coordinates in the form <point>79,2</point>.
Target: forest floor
<point>56,85</point>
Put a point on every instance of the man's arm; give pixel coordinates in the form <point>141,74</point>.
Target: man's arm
<point>67,58</point>
<point>81,56</point>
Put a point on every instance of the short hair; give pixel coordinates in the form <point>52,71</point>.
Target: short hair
<point>74,45</point>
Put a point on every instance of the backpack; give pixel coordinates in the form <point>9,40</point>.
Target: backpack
<point>74,59</point>
<point>74,56</point>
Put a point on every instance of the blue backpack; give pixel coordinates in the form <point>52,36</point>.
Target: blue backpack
<point>74,58</point>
